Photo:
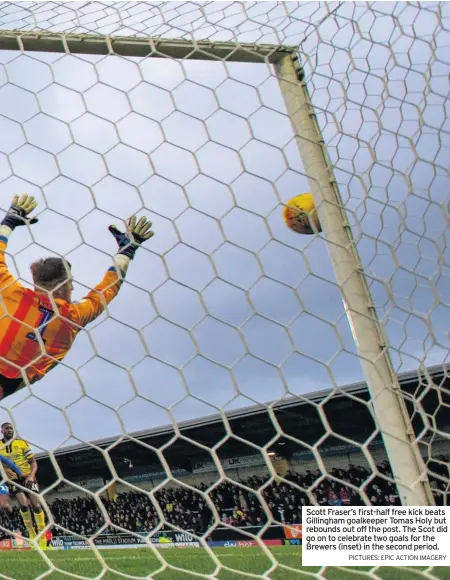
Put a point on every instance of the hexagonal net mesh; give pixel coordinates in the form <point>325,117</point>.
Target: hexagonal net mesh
<point>207,118</point>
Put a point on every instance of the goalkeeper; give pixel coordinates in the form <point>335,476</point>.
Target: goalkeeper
<point>38,327</point>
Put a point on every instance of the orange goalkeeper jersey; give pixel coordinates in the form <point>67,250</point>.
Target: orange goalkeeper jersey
<point>25,314</point>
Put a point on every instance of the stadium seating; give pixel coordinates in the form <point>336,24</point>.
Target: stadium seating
<point>235,504</point>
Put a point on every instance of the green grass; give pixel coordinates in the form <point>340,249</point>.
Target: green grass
<point>142,563</point>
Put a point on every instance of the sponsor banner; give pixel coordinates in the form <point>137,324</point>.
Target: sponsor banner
<point>246,543</point>
<point>256,460</point>
<point>143,477</point>
<point>293,532</point>
<point>231,463</point>
<point>243,543</point>
<point>292,542</point>
<point>14,544</point>
<point>216,544</point>
<point>6,545</point>
<point>161,539</point>
<point>155,473</point>
<point>64,542</point>
<point>127,541</point>
<point>20,543</point>
<point>230,544</point>
<point>331,450</point>
<point>91,484</point>
<point>180,545</point>
<point>134,546</point>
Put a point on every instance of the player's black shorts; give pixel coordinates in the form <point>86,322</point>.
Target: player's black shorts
<point>9,386</point>
<point>14,490</point>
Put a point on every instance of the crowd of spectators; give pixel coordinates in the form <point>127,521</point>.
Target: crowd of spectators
<point>237,504</point>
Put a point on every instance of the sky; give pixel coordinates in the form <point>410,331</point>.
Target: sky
<point>225,307</point>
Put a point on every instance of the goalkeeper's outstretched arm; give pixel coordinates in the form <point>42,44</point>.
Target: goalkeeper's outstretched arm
<point>8,464</point>
<point>17,215</point>
<point>129,241</point>
<point>51,309</point>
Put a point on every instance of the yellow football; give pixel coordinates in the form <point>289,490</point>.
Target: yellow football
<point>300,215</point>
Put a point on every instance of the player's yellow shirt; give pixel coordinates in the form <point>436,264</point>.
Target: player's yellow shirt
<point>18,451</point>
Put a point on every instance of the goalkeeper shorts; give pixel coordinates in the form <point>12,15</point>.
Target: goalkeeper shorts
<point>9,386</point>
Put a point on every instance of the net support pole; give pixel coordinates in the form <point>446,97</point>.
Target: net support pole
<point>388,406</point>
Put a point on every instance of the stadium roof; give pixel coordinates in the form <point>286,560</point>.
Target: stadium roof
<point>279,428</point>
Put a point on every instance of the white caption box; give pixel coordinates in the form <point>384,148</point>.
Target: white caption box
<point>376,536</point>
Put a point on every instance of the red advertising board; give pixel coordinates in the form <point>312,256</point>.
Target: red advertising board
<point>5,545</point>
<point>293,532</point>
<point>273,542</point>
<point>17,543</point>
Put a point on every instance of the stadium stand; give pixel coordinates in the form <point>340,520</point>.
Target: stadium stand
<point>349,481</point>
<point>186,509</point>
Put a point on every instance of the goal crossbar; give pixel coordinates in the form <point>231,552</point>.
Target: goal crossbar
<point>29,41</point>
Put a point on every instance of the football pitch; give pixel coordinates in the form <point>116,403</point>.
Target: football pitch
<point>188,564</point>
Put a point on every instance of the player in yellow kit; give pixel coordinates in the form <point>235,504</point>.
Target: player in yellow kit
<point>18,451</point>
<point>38,327</point>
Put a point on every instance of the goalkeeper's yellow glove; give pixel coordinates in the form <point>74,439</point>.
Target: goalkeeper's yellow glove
<point>18,212</point>
<point>135,235</point>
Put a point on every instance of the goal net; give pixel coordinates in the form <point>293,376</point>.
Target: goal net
<point>244,370</point>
